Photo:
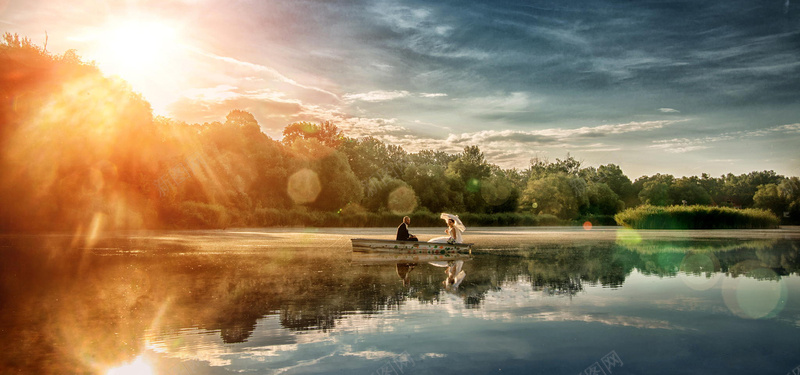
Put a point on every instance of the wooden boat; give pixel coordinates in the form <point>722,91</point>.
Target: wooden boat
<point>409,247</point>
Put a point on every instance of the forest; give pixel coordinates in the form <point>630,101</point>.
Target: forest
<point>80,151</point>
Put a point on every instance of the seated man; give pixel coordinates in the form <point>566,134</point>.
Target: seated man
<point>402,231</point>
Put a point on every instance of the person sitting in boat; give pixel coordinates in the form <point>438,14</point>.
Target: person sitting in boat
<point>454,230</point>
<point>402,231</point>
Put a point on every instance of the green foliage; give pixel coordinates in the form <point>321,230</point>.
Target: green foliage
<point>542,167</point>
<point>690,191</point>
<point>695,217</point>
<point>469,170</point>
<point>79,150</point>
<point>619,183</point>
<point>326,133</point>
<point>378,191</point>
<point>789,190</point>
<point>435,192</point>
<point>338,184</point>
<point>768,197</point>
<point>558,194</point>
<point>602,200</point>
<point>499,192</point>
<point>739,190</point>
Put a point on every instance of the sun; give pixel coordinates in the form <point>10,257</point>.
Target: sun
<point>147,52</point>
<point>134,48</point>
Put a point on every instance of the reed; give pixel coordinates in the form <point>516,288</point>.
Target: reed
<point>696,217</point>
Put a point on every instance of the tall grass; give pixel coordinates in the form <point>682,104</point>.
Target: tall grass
<point>696,217</point>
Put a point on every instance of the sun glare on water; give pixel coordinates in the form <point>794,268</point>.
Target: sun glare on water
<point>137,367</point>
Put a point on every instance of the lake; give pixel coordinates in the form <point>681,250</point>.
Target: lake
<point>298,301</point>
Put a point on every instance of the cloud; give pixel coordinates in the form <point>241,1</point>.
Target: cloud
<point>425,31</point>
<point>263,69</point>
<point>554,135</point>
<point>669,110</point>
<point>384,96</point>
<point>377,96</point>
<point>680,145</point>
<point>485,137</point>
<point>271,109</point>
<point>683,145</point>
<point>514,148</point>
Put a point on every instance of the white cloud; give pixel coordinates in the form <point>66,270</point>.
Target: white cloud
<point>669,110</point>
<point>377,96</point>
<point>432,95</point>
<point>681,145</point>
<point>262,69</point>
<point>555,135</point>
<point>383,96</point>
<point>513,102</point>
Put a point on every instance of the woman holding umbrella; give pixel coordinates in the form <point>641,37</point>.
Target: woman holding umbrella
<point>454,229</point>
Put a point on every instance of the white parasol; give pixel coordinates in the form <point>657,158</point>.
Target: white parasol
<point>459,224</point>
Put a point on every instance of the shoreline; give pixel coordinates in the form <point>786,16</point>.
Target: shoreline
<point>247,239</point>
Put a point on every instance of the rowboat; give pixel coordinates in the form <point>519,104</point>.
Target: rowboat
<point>409,247</point>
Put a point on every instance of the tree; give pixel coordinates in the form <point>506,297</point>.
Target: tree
<point>611,175</point>
<point>338,184</point>
<point>435,191</point>
<point>78,159</point>
<point>655,193</point>
<point>499,192</point>
<point>326,133</point>
<point>379,195</point>
<point>244,120</point>
<point>556,194</point>
<point>688,190</point>
<point>739,190</point>
<point>603,200</point>
<point>770,197</point>
<point>470,168</point>
<point>541,167</point>
<point>789,189</point>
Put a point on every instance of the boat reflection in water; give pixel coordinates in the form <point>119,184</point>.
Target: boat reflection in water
<point>123,306</point>
<point>405,263</point>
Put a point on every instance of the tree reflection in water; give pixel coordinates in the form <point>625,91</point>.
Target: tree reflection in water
<point>71,310</point>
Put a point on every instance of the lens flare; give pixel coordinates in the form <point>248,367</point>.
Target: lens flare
<point>304,186</point>
<point>700,271</point>
<point>627,236</point>
<point>761,294</point>
<point>473,185</point>
<point>138,367</point>
<point>494,194</point>
<point>402,201</point>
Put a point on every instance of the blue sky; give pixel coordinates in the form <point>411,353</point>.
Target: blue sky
<point>680,87</point>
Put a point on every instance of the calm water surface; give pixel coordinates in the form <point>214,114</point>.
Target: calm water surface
<point>220,303</point>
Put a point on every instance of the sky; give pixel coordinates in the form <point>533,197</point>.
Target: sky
<point>678,87</point>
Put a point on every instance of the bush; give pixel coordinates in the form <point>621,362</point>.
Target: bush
<point>695,217</point>
<point>270,217</point>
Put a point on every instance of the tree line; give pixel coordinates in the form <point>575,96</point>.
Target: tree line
<point>81,151</point>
